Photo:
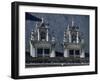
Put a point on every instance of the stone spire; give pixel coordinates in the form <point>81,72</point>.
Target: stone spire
<point>42,20</point>
<point>72,22</point>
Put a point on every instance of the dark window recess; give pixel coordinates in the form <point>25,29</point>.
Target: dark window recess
<point>71,52</point>
<point>77,52</point>
<point>43,35</point>
<point>46,51</point>
<point>73,38</point>
<point>40,51</point>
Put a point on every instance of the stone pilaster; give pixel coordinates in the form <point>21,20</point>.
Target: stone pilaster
<point>32,50</point>
<point>66,53</point>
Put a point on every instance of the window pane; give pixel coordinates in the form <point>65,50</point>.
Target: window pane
<point>40,51</point>
<point>71,52</point>
<point>77,52</point>
<point>46,51</point>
